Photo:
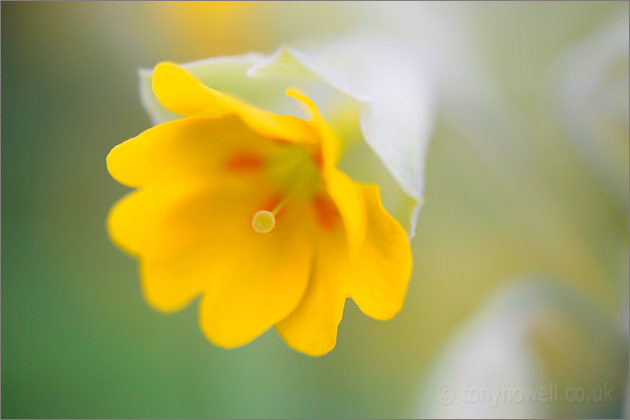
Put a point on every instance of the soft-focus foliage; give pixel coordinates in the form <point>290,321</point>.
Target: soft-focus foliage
<point>526,172</point>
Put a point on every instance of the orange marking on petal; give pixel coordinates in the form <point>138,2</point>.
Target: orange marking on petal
<point>272,202</point>
<point>325,211</point>
<point>244,162</point>
<point>318,157</point>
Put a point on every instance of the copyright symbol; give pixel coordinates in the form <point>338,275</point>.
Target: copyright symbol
<point>446,395</point>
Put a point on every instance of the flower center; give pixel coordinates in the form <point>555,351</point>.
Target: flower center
<point>294,173</point>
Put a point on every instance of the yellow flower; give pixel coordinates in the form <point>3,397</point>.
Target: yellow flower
<point>248,209</point>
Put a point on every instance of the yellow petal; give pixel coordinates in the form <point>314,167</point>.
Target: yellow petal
<point>260,279</point>
<point>381,273</point>
<point>312,327</point>
<point>181,92</point>
<point>344,192</point>
<point>174,230</point>
<point>376,279</point>
<point>196,148</point>
<point>349,201</point>
<point>194,240</point>
<point>170,285</point>
<point>138,222</point>
<point>330,142</point>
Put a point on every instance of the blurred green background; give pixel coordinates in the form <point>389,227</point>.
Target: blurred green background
<point>526,179</point>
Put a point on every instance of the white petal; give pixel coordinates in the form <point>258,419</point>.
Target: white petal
<point>520,355</point>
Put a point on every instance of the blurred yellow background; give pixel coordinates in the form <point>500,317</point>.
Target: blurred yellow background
<point>526,185</point>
